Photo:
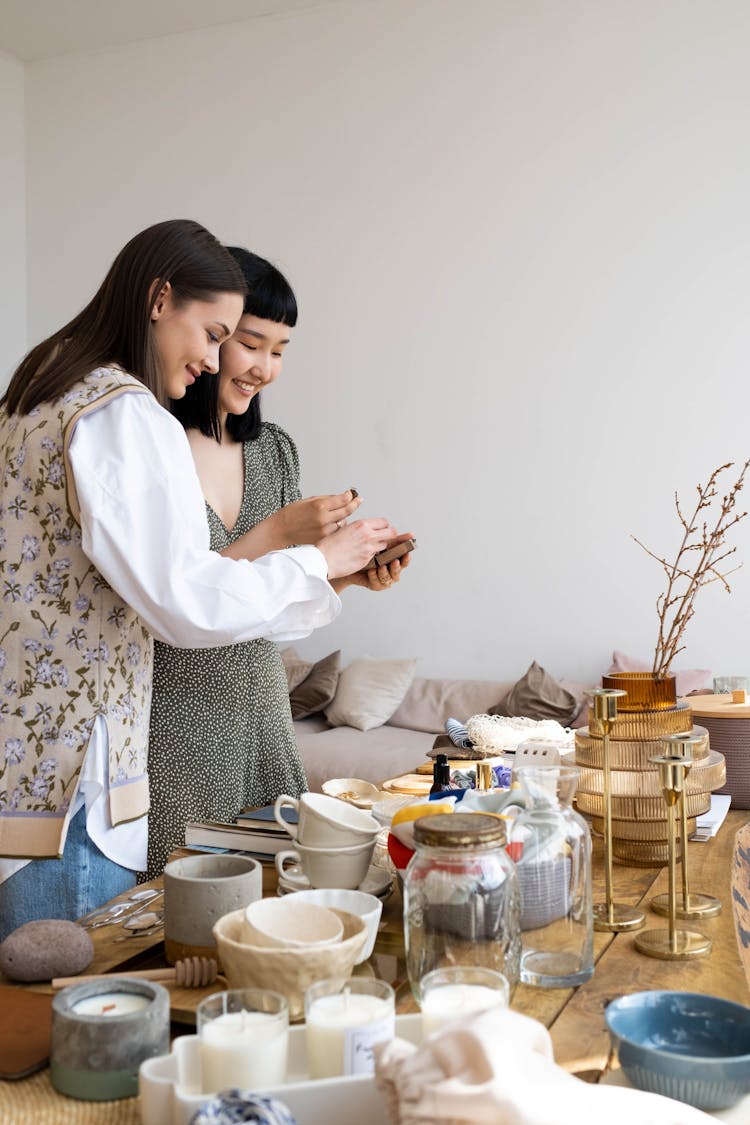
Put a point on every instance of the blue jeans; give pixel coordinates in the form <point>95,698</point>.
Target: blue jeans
<point>62,888</point>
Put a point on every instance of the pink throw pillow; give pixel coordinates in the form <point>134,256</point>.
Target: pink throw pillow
<point>687,679</point>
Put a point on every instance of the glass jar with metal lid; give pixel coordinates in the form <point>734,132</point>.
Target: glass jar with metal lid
<point>461,902</point>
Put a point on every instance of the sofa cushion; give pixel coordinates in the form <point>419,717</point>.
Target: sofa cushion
<point>537,695</point>
<point>428,703</point>
<point>295,667</point>
<point>317,689</point>
<point>686,680</point>
<point>373,755</point>
<point>369,691</point>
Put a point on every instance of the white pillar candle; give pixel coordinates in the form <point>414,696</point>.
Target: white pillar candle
<point>342,1030</point>
<point>447,1002</point>
<point>247,1049</point>
<point>111,1004</point>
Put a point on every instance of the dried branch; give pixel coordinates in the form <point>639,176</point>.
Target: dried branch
<point>704,534</point>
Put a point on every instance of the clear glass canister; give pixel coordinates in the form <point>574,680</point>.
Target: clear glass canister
<point>554,879</point>
<point>461,903</point>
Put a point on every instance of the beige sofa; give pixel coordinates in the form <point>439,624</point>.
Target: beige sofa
<point>402,743</point>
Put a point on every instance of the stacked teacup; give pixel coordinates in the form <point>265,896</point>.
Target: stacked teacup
<point>334,842</point>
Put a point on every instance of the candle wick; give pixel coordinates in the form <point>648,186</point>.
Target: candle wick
<point>108,1008</point>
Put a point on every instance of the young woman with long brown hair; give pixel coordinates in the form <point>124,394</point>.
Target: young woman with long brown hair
<point>104,544</point>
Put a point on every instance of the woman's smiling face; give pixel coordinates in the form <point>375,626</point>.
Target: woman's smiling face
<point>188,336</point>
<point>249,361</point>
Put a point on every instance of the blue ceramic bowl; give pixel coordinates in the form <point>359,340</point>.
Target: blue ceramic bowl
<point>685,1045</point>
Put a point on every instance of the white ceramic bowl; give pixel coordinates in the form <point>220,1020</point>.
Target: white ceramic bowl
<point>291,923</point>
<point>367,907</point>
<point>353,790</point>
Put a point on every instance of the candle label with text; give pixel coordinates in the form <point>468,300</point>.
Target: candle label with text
<point>359,1042</point>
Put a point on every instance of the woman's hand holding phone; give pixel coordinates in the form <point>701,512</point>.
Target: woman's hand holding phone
<point>352,547</point>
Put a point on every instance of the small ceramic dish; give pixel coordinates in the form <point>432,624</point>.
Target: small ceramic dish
<point>293,924</point>
<point>353,790</point>
<point>367,907</point>
<point>377,882</point>
<point>685,1045</point>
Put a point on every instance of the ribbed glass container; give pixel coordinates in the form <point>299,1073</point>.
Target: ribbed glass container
<point>630,754</point>
<point>646,724</point>
<point>645,692</point>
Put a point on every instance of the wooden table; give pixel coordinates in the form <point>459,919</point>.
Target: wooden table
<point>575,1017</point>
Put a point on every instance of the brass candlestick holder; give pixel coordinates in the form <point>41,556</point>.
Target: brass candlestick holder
<point>690,904</point>
<point>610,916</point>
<point>672,944</point>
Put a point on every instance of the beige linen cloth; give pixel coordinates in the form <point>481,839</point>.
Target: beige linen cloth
<point>497,1068</point>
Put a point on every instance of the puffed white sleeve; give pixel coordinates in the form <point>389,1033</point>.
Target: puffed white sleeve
<point>144,527</point>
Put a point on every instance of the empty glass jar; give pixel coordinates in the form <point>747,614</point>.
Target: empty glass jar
<point>461,904</point>
<point>554,880</point>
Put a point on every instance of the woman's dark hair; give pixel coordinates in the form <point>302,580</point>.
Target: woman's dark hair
<point>270,297</point>
<point>115,326</point>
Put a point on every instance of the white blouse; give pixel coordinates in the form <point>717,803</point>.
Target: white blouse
<point>144,527</point>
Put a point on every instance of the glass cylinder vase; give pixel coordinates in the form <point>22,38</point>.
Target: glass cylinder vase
<point>554,880</point>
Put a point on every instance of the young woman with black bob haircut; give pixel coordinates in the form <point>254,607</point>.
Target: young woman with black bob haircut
<point>221,727</point>
<point>104,544</point>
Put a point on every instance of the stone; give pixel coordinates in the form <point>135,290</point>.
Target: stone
<point>46,949</point>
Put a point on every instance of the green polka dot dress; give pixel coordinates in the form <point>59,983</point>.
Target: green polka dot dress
<point>221,729</point>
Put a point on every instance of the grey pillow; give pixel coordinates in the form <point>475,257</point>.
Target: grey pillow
<point>537,695</point>
<point>317,689</point>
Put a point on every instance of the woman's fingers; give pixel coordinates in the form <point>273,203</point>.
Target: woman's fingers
<point>352,547</point>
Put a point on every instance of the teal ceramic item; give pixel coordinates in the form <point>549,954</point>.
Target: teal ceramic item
<point>685,1045</point>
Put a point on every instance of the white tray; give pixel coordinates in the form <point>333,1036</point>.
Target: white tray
<point>170,1085</point>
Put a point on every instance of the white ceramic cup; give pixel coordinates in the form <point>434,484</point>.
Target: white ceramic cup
<point>327,867</point>
<point>368,907</point>
<point>326,822</point>
<point>291,923</point>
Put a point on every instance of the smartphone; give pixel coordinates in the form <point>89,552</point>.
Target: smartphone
<point>397,551</point>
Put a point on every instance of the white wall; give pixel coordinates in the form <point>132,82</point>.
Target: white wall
<point>12,217</point>
<point>520,235</point>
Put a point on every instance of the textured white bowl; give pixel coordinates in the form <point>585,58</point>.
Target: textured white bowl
<point>367,907</point>
<point>290,923</point>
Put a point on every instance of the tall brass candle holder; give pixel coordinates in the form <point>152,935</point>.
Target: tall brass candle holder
<point>695,904</point>
<point>672,944</point>
<point>611,916</point>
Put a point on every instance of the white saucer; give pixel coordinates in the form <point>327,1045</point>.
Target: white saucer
<point>377,881</point>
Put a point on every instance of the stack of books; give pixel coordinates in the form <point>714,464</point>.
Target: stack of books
<point>255,832</point>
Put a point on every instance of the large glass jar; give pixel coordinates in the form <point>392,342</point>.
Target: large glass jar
<point>461,904</point>
<point>554,879</point>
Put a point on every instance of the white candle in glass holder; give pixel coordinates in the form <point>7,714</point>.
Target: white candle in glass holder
<point>247,1049</point>
<point>447,1002</point>
<point>111,1004</point>
<point>342,1030</point>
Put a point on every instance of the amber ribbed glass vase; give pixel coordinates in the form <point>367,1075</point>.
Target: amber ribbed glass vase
<point>645,692</point>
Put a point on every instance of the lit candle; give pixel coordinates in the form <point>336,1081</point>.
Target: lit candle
<point>343,1028</point>
<point>452,1001</point>
<point>111,1004</point>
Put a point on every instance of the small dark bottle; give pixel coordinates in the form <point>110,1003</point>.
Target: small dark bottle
<point>441,774</point>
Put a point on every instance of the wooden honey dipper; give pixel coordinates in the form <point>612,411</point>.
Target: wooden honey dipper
<point>191,972</point>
